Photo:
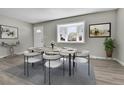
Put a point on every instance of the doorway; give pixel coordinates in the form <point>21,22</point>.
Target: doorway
<point>38,36</point>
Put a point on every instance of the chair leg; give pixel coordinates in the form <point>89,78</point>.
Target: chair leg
<point>43,64</point>
<point>89,72</point>
<point>49,73</point>
<point>44,75</point>
<point>32,65</point>
<point>73,60</point>
<point>24,66</point>
<point>73,64</point>
<point>42,61</point>
<point>27,70</point>
<point>63,67</point>
<point>73,67</point>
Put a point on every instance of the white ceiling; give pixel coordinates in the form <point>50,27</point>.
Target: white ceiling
<point>35,15</point>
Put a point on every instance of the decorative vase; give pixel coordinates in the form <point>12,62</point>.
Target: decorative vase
<point>52,46</point>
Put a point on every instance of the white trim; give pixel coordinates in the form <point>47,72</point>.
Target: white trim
<point>97,57</point>
<point>3,56</point>
<point>119,61</point>
<point>106,58</point>
<point>19,53</point>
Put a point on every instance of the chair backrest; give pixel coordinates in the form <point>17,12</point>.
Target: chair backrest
<point>64,53</point>
<point>51,51</point>
<point>28,53</point>
<point>51,57</point>
<point>34,49</point>
<point>82,53</point>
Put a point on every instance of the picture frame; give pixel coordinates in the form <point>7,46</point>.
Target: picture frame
<point>100,30</point>
<point>8,32</point>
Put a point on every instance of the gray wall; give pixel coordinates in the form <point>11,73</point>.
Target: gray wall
<point>25,35</point>
<point>95,45</point>
<point>120,35</point>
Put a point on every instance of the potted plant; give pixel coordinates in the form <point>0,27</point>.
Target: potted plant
<point>109,45</point>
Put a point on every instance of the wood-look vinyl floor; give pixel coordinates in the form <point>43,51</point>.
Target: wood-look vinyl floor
<point>106,72</point>
<point>7,78</point>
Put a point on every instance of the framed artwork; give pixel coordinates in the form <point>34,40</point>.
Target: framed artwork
<point>100,30</point>
<point>71,33</point>
<point>8,32</point>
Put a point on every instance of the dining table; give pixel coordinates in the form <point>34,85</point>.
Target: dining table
<point>57,50</point>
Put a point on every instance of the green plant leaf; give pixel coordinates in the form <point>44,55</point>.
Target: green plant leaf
<point>109,44</point>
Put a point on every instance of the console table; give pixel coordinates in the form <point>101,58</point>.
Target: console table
<point>10,46</point>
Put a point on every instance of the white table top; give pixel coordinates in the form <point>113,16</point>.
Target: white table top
<point>56,50</point>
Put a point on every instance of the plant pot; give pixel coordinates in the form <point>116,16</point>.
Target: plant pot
<point>109,53</point>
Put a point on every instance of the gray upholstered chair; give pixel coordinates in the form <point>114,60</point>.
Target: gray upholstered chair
<point>30,58</point>
<point>51,61</point>
<point>64,58</point>
<point>83,57</point>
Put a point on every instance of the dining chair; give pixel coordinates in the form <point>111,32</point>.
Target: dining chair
<point>68,55</point>
<point>52,61</point>
<point>64,57</point>
<point>30,58</point>
<point>83,57</point>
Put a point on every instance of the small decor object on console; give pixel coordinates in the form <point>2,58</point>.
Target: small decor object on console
<point>8,32</point>
<point>100,30</point>
<point>52,44</point>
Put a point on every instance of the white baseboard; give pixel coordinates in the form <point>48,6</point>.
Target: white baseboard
<point>3,56</point>
<point>97,57</point>
<point>93,57</point>
<point>106,58</point>
<point>19,53</point>
<point>119,61</point>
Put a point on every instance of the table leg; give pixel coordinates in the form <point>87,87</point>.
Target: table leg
<point>69,64</point>
<point>11,50</point>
